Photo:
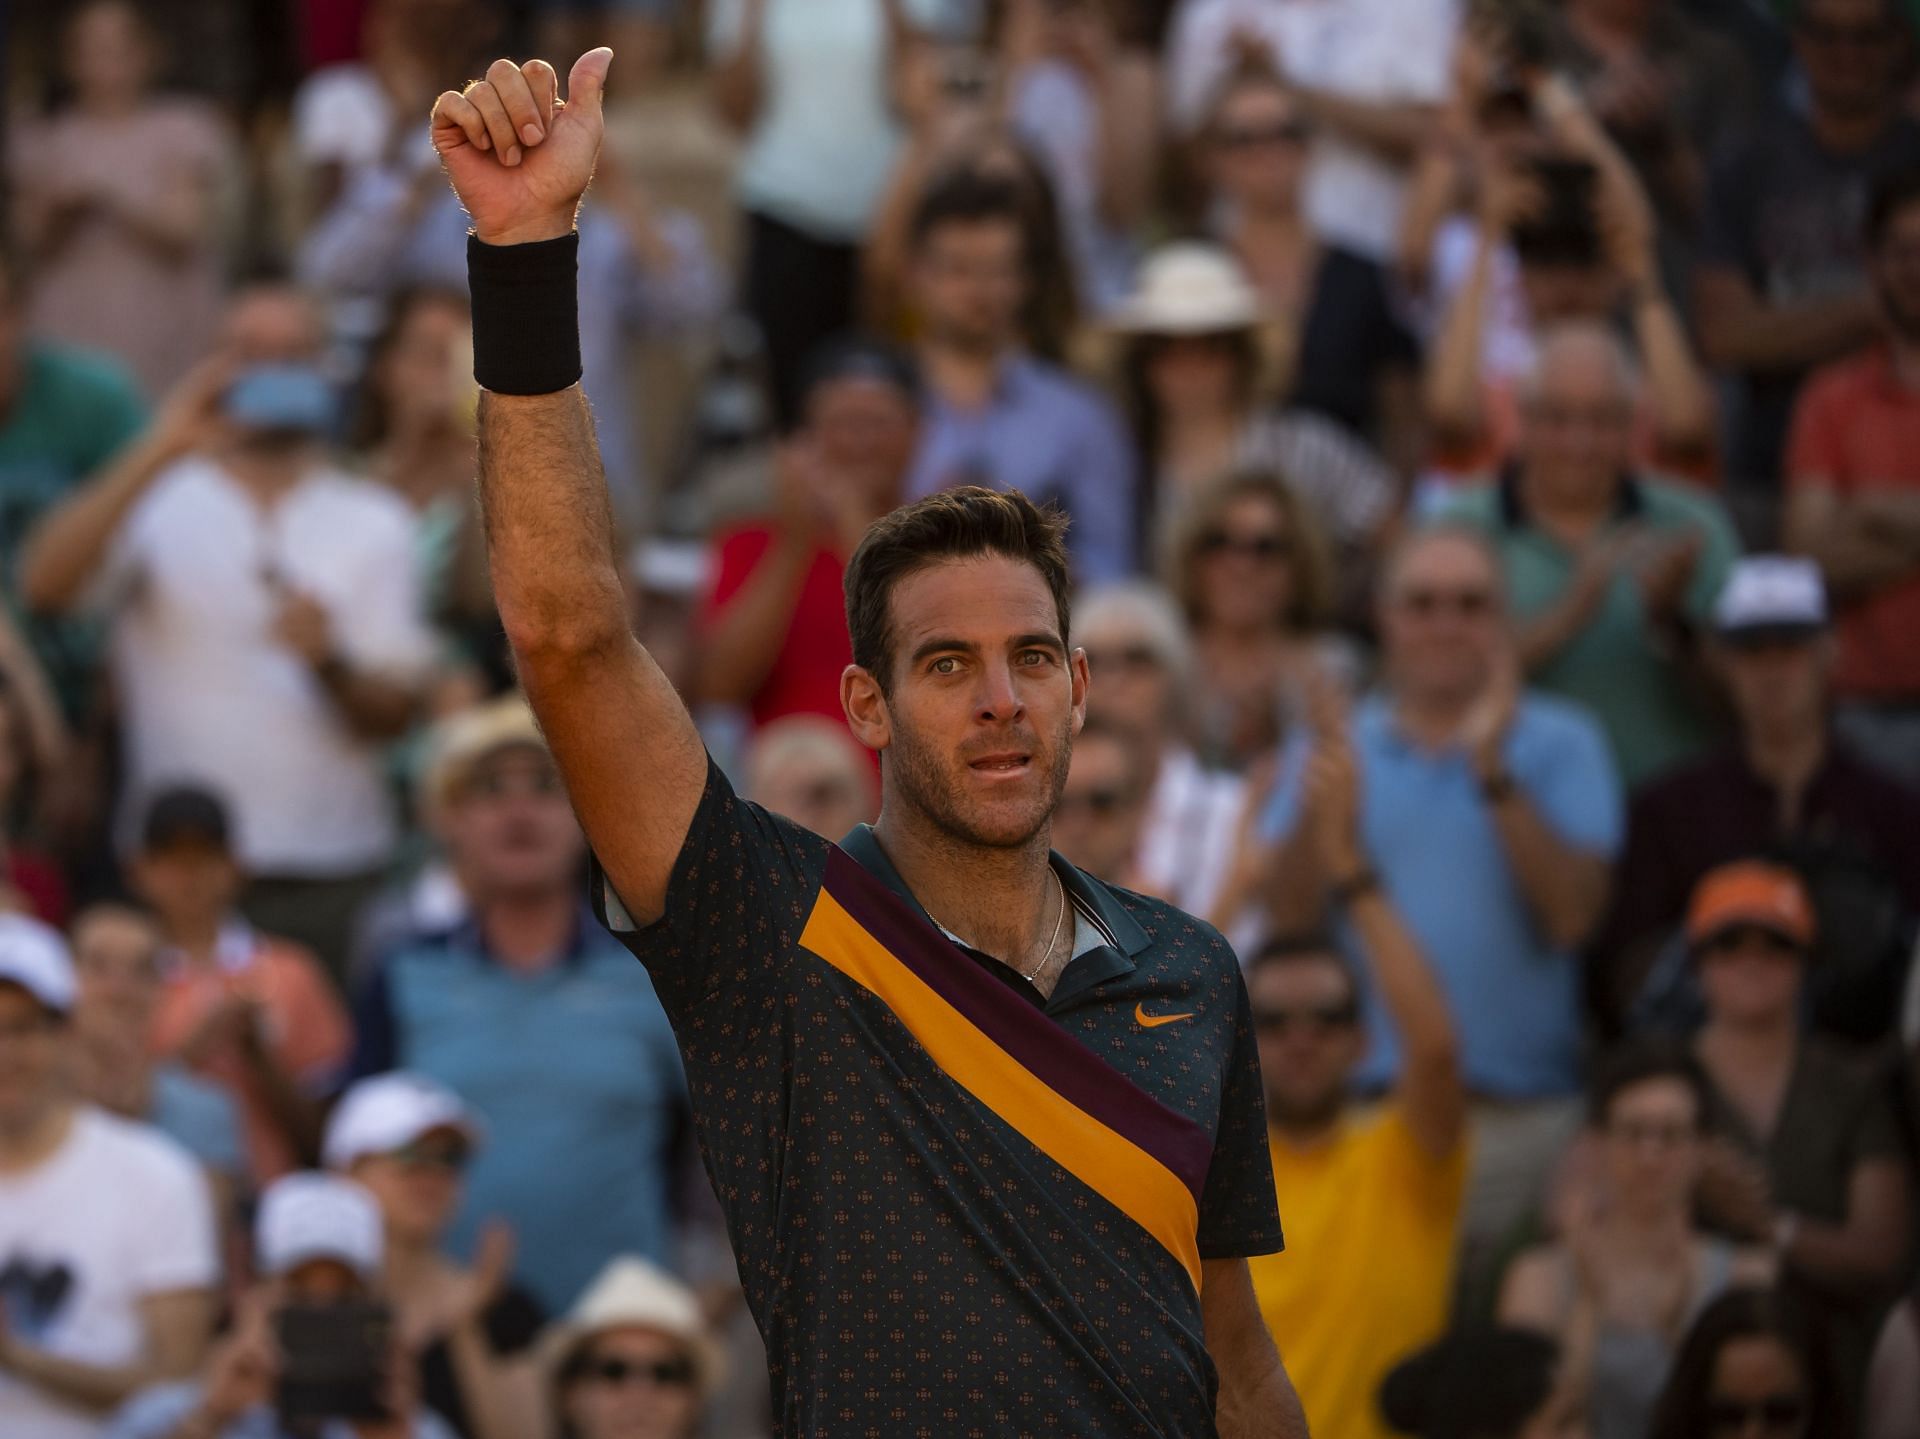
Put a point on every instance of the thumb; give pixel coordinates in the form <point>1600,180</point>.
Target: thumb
<point>587,81</point>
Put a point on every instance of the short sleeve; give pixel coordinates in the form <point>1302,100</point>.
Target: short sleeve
<point>1816,449</point>
<point>1567,770</point>
<point>1437,1182</point>
<point>115,416</point>
<point>741,892</point>
<point>737,554</point>
<point>1239,1210</point>
<point>178,1247</point>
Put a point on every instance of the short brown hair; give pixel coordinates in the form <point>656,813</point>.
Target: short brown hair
<point>954,524</point>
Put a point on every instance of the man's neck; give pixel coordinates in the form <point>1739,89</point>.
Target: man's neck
<point>1788,761</point>
<point>35,1139</point>
<point>998,901</point>
<point>963,375</point>
<point>1848,133</point>
<point>1212,429</point>
<point>409,1265</point>
<point>532,931</point>
<point>1751,1046</point>
<point>1564,510</point>
<point>1308,1134</point>
<point>197,938</point>
<point>269,476</point>
<point>1432,720</point>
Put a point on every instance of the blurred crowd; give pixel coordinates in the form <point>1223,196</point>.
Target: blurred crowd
<point>1491,436</point>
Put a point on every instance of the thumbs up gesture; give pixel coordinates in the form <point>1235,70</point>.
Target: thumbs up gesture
<point>518,155</point>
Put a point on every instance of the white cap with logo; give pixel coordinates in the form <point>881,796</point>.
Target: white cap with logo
<point>35,957</point>
<point>310,1216</point>
<point>1771,595</point>
<point>389,1112</point>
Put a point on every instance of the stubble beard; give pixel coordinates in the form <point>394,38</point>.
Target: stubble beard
<point>914,774</point>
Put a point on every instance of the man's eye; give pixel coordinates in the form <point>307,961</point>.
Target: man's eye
<point>1035,657</point>
<point>945,665</point>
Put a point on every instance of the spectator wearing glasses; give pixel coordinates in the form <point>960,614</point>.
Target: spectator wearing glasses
<point>1781,284</point>
<point>996,416</point>
<point>1096,823</point>
<point>1137,645</point>
<point>1192,373</point>
<point>633,1359</point>
<point>1375,1195</point>
<point>532,1014</point>
<point>1788,783</point>
<point>815,773</point>
<point>1811,1157</point>
<point>407,1141</point>
<point>1854,498</point>
<point>1609,573</point>
<point>1752,1367</point>
<point>108,1256</point>
<point>1250,570</point>
<point>1633,1270</point>
<point>1490,816</point>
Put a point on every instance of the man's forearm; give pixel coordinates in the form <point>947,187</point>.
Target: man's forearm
<point>1565,888</point>
<point>67,547</point>
<point>1265,1408</point>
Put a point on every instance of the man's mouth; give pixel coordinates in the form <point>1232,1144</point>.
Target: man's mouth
<point>1010,763</point>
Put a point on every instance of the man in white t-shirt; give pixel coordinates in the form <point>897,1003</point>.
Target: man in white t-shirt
<point>107,1237</point>
<point>1369,77</point>
<point>266,633</point>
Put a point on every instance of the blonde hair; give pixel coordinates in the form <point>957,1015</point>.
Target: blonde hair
<point>1311,563</point>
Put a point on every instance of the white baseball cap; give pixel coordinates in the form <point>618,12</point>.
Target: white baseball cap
<point>35,957</point>
<point>389,1112</point>
<point>1771,596</point>
<point>309,1216</point>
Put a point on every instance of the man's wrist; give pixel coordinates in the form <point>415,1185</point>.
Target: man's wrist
<point>526,313</point>
<point>528,232</point>
<point>1497,784</point>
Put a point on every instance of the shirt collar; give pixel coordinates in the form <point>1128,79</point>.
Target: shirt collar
<point>468,936</point>
<point>1630,503</point>
<point>233,949</point>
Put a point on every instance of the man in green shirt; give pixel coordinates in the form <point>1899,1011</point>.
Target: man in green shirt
<point>63,414</point>
<point>1609,572</point>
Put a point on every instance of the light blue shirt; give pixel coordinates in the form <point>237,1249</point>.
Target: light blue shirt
<point>200,1117</point>
<point>1052,437</point>
<point>156,1413</point>
<point>1515,996</point>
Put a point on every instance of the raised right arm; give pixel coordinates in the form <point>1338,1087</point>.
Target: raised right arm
<point>633,762</point>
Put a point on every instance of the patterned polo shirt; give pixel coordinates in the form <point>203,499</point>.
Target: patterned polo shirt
<point>959,1210</point>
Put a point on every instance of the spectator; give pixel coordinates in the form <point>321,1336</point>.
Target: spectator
<point>116,959</point>
<point>812,771</point>
<point>1781,284</point>
<point>63,415</point>
<point>1096,824</point>
<point>1491,816</point>
<point>250,1011</point>
<point>1374,1199</point>
<point>1192,375</point>
<point>1369,76</point>
<point>1633,1272</point>
<point>1752,1362</point>
<point>808,84</point>
<point>1137,647</point>
<point>1252,158</point>
<point>1250,570</point>
<point>774,637</point>
<point>1609,572</point>
<point>1562,212</point>
<point>116,206</point>
<point>632,1360</point>
<point>407,1140</point>
<point>1481,1384</point>
<point>106,1228</point>
<point>1787,784</point>
<point>1811,1158</point>
<point>1088,101</point>
<point>1893,1383</point>
<point>266,630</point>
<point>317,1243</point>
<point>996,416</point>
<point>532,1014</point>
<point>1854,497</point>
<point>34,752</point>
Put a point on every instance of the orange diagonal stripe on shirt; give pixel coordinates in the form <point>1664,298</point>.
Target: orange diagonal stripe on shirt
<point>1115,1168</point>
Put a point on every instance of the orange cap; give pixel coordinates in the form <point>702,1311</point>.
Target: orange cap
<point>1770,896</point>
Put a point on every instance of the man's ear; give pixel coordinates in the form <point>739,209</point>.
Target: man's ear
<point>1082,677</point>
<point>866,708</point>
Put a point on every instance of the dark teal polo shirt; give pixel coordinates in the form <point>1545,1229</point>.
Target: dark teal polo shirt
<point>959,1209</point>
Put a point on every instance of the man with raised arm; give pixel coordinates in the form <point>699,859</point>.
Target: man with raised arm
<point>995,1172</point>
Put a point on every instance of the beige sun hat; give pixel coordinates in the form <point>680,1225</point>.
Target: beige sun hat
<point>457,745</point>
<point>630,1293</point>
<point>1190,288</point>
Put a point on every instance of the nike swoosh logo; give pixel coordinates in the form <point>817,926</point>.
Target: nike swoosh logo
<point>1154,1021</point>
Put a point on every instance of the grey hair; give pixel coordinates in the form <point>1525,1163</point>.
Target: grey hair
<point>1145,606</point>
<point>1568,335</point>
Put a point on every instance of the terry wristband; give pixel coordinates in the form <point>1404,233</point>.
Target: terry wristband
<point>526,315</point>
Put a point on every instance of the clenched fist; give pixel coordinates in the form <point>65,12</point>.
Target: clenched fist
<point>518,155</point>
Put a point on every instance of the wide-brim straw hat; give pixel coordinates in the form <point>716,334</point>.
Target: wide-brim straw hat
<point>630,1293</point>
<point>1190,289</point>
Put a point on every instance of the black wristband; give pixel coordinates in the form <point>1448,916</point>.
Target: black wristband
<point>1499,787</point>
<point>526,315</point>
<point>1346,892</point>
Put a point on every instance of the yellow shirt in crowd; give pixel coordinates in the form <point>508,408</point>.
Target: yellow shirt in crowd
<point>1371,1221</point>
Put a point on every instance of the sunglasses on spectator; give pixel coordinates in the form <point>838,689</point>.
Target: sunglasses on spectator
<point>450,1155</point>
<point>1749,936</point>
<point>1249,137</point>
<point>1266,548</point>
<point>1315,1018</point>
<point>500,783</point>
<point>1124,657</point>
<point>665,1373</point>
<point>1776,1414</point>
<point>1637,1132</point>
<point>1103,802</point>
<point>33,1028</point>
<point>1468,604</point>
<point>1827,32</point>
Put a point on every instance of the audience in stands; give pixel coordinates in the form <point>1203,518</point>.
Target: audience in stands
<point>632,1360</point>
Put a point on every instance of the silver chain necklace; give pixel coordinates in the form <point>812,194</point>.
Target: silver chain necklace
<point>1060,918</point>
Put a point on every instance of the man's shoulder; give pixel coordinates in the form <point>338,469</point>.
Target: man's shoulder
<point>139,1152</point>
<point>1061,390</point>
<point>1550,722</point>
<point>79,380</point>
<point>1476,505</point>
<point>1675,503</point>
